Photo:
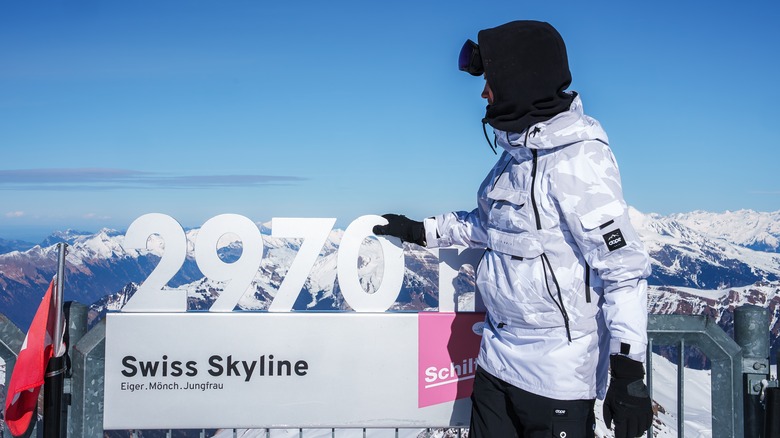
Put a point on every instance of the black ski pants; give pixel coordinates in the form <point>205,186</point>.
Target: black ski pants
<point>500,410</point>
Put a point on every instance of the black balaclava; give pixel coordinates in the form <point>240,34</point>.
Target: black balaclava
<point>527,69</point>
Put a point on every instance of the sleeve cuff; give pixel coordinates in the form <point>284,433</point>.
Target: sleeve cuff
<point>633,350</point>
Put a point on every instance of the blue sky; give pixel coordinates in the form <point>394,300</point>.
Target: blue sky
<point>110,110</point>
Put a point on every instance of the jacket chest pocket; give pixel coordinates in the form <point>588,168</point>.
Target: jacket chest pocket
<point>511,227</point>
<point>510,206</point>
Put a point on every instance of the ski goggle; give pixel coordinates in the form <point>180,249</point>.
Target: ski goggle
<point>470,60</point>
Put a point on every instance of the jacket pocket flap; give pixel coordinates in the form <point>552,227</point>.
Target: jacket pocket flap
<point>601,215</point>
<point>504,191</point>
<point>525,245</point>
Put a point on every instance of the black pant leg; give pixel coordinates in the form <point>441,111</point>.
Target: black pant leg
<point>492,415</point>
<point>501,410</point>
<point>543,417</point>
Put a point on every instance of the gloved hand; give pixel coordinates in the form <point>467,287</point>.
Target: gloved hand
<point>402,227</point>
<point>627,402</point>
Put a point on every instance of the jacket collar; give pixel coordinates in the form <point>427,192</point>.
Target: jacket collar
<point>565,128</point>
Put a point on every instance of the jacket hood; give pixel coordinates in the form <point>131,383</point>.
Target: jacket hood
<point>527,68</point>
<point>563,129</point>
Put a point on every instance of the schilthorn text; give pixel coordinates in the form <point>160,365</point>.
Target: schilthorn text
<point>216,366</point>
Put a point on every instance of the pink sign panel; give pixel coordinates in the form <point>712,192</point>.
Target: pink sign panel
<point>448,347</point>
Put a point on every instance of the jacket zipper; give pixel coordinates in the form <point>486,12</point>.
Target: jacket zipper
<point>533,184</point>
<point>587,282</point>
<point>559,301</point>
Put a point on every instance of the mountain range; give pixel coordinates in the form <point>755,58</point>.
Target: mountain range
<point>703,263</point>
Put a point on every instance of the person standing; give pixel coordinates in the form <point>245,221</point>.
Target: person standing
<point>563,273</point>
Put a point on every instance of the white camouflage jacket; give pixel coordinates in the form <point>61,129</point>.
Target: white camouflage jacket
<point>563,274</point>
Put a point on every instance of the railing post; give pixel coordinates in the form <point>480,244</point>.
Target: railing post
<point>751,332</point>
<point>76,316</point>
<point>87,385</point>
<point>681,389</point>
<point>649,376</point>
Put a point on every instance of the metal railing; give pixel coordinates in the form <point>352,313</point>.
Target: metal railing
<point>725,356</point>
<point>728,359</point>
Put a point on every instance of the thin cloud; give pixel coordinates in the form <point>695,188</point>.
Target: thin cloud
<point>116,179</point>
<point>14,214</point>
<point>95,216</point>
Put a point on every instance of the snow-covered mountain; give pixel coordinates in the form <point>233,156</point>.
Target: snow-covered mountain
<point>96,265</point>
<point>754,230</point>
<point>686,253</point>
<point>697,251</point>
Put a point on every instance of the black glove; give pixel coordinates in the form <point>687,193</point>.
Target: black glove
<point>627,401</point>
<point>402,227</point>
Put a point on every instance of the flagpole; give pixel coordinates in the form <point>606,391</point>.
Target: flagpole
<point>58,292</point>
<point>54,383</point>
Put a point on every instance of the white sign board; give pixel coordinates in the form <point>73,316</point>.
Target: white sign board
<point>251,370</point>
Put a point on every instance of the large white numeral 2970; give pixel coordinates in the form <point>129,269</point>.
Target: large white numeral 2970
<point>152,296</point>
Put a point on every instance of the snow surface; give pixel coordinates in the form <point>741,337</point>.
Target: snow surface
<point>713,294</point>
<point>698,407</point>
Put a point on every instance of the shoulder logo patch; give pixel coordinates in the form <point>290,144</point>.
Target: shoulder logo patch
<point>615,240</point>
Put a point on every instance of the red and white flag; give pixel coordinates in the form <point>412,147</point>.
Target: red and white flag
<point>30,368</point>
